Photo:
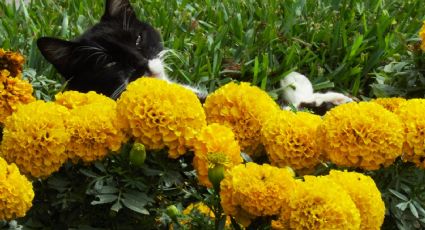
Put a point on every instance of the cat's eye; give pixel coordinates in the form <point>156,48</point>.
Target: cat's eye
<point>139,40</point>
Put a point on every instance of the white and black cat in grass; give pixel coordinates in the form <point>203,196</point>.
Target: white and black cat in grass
<point>117,50</point>
<point>298,92</point>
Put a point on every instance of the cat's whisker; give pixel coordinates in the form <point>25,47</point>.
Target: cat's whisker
<point>119,90</point>
<point>163,54</point>
<point>90,48</point>
<point>94,54</point>
<point>101,58</point>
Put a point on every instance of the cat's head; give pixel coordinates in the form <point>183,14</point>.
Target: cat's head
<point>108,56</point>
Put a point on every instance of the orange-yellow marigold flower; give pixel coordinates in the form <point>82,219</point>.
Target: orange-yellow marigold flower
<point>412,115</point>
<point>290,139</point>
<point>319,203</point>
<point>363,191</point>
<point>12,62</point>
<point>391,103</point>
<point>93,124</point>
<point>14,91</point>
<point>251,190</point>
<point>161,114</point>
<point>363,135</point>
<point>16,192</point>
<point>34,138</point>
<point>243,108</point>
<point>214,139</point>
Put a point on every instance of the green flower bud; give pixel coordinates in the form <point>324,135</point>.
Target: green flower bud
<point>173,212</point>
<point>216,175</point>
<point>137,154</point>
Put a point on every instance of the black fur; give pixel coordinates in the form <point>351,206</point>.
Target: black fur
<point>106,57</point>
<point>319,110</point>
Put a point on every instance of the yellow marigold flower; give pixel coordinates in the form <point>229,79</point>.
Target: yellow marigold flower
<point>391,103</point>
<point>34,138</point>
<point>94,125</point>
<point>251,190</point>
<point>161,114</point>
<point>363,191</point>
<point>16,192</point>
<point>11,61</point>
<point>243,108</point>
<point>290,139</point>
<point>13,92</point>
<point>212,140</point>
<point>422,36</point>
<point>74,99</point>
<point>364,135</point>
<point>319,203</point>
<point>412,114</point>
<point>203,209</point>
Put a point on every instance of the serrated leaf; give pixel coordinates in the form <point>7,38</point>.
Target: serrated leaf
<point>104,199</point>
<point>130,204</point>
<point>399,195</point>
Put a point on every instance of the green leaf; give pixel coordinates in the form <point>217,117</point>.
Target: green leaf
<point>135,206</point>
<point>399,195</point>
<point>89,173</point>
<point>104,199</point>
<point>402,206</point>
<point>413,210</point>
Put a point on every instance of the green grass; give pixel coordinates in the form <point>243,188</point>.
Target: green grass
<point>338,44</point>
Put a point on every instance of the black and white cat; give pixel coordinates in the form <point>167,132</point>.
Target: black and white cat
<point>298,91</point>
<point>117,50</point>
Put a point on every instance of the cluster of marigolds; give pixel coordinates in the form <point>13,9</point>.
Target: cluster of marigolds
<point>39,137</point>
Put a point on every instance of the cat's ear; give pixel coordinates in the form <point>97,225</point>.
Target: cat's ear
<point>118,9</point>
<point>56,51</point>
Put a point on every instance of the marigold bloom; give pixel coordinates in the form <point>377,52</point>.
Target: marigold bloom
<point>161,114</point>
<point>93,125</point>
<point>422,36</point>
<point>14,91</point>
<point>212,140</point>
<point>319,203</point>
<point>412,114</point>
<point>290,139</point>
<point>12,62</point>
<point>75,99</point>
<point>364,135</point>
<point>16,192</point>
<point>391,103</point>
<point>251,190</point>
<point>243,108</point>
<point>34,138</point>
<point>363,191</point>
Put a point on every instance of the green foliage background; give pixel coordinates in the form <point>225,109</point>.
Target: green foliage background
<point>363,48</point>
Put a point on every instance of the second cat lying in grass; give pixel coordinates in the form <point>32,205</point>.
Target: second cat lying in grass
<point>298,92</point>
